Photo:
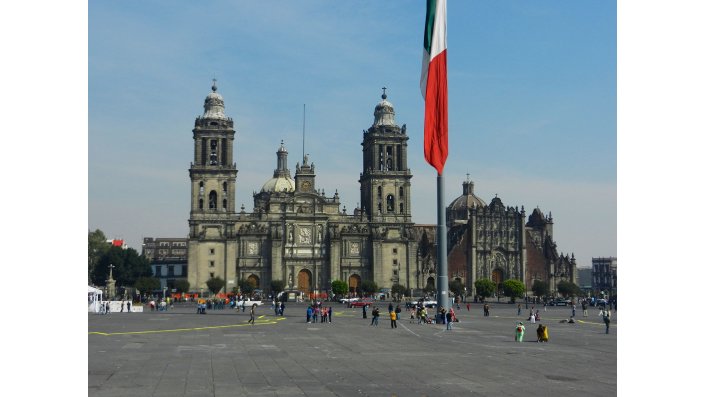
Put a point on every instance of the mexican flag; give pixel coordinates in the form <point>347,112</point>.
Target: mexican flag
<point>434,85</point>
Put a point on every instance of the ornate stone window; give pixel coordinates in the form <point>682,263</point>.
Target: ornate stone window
<point>212,200</point>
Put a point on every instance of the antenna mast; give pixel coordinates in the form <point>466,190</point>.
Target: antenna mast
<point>303,155</point>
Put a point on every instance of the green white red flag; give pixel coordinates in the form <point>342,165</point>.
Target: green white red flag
<point>434,85</point>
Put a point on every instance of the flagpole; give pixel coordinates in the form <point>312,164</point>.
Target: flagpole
<point>441,251</point>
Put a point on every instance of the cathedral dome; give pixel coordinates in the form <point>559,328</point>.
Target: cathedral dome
<point>279,183</point>
<point>384,112</point>
<point>214,106</point>
<point>468,199</point>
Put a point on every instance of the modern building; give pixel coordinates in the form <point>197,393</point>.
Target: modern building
<point>168,258</point>
<point>585,279</point>
<point>604,276</point>
<point>299,235</point>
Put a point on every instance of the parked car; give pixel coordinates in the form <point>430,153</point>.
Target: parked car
<point>558,302</point>
<point>362,302</point>
<point>425,302</point>
<point>249,302</point>
<point>348,300</point>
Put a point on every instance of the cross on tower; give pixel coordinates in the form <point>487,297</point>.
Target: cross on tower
<point>384,92</point>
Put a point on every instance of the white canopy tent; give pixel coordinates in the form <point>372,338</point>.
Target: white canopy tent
<point>95,296</point>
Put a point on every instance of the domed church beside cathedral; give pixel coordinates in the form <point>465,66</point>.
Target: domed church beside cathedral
<point>302,237</point>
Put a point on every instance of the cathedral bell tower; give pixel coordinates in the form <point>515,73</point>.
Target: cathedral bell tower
<point>213,172</point>
<point>385,181</point>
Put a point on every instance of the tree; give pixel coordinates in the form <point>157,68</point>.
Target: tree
<point>398,290</point>
<point>215,284</point>
<point>182,285</point>
<point>539,288</point>
<point>457,287</point>
<point>368,287</point>
<point>145,285</point>
<point>277,286</point>
<point>97,247</point>
<point>567,288</point>
<point>513,289</point>
<point>128,266</point>
<point>339,287</point>
<point>245,287</point>
<point>485,287</point>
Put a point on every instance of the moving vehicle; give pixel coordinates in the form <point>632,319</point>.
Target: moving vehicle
<point>362,302</point>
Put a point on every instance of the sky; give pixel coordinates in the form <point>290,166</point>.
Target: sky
<point>532,104</point>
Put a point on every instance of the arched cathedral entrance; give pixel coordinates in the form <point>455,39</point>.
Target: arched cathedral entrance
<point>253,281</point>
<point>354,282</point>
<point>498,277</point>
<point>305,281</point>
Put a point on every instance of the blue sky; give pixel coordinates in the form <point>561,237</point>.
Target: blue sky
<point>532,104</point>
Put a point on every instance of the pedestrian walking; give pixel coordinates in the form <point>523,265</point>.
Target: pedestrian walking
<point>309,314</point>
<point>252,314</point>
<point>486,308</point>
<point>393,317</point>
<point>449,321</point>
<point>468,306</point>
<point>519,332</point>
<point>375,316</point>
<point>606,317</point>
<point>542,333</point>
<point>573,309</point>
<point>122,306</point>
<point>330,314</point>
<point>129,306</point>
<point>584,305</point>
<point>364,311</point>
<point>281,309</point>
<point>519,309</point>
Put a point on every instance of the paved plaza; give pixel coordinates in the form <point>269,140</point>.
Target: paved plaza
<point>181,353</point>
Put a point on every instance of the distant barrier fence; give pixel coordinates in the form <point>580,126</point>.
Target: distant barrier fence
<point>114,306</point>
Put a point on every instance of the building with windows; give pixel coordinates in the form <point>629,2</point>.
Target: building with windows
<point>168,258</point>
<point>604,276</point>
<point>298,234</point>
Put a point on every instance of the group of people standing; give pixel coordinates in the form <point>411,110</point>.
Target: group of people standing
<point>315,310</point>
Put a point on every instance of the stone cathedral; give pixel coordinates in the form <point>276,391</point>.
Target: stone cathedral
<point>297,234</point>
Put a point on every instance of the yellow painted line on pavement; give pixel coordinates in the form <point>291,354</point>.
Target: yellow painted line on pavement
<point>556,319</point>
<point>266,322</point>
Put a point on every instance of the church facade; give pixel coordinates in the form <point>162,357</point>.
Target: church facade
<point>301,236</point>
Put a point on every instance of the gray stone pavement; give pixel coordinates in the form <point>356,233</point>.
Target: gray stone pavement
<point>181,353</point>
